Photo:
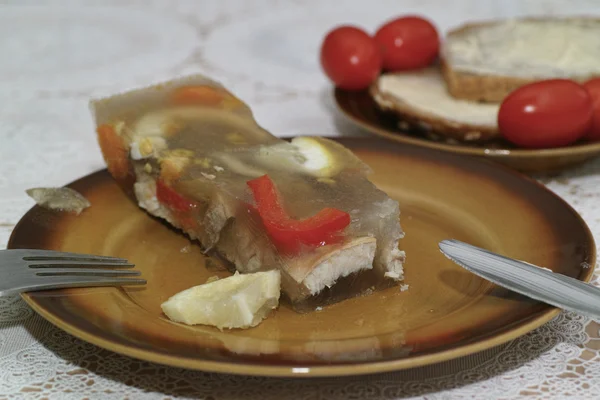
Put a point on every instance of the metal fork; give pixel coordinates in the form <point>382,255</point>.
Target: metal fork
<point>24,270</point>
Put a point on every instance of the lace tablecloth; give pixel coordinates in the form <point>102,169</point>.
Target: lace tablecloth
<point>55,55</point>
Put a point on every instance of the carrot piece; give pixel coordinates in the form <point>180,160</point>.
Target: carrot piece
<point>114,151</point>
<point>201,95</point>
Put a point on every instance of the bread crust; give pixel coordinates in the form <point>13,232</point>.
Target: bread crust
<point>436,126</point>
<point>480,88</point>
<point>491,88</point>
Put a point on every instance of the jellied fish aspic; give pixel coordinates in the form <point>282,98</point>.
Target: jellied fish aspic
<point>196,157</point>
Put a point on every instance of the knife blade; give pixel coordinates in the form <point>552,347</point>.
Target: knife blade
<point>527,279</point>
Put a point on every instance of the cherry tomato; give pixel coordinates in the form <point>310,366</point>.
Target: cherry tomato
<point>408,43</point>
<point>550,113</point>
<point>350,58</point>
<point>593,88</point>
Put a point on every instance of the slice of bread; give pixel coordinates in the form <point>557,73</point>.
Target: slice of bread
<point>486,61</point>
<point>419,98</point>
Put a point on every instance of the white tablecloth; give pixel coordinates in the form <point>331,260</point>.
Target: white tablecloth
<point>55,55</point>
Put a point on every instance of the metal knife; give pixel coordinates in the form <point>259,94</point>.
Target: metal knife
<point>532,281</point>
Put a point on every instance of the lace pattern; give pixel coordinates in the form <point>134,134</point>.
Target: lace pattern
<point>557,357</point>
<point>56,55</point>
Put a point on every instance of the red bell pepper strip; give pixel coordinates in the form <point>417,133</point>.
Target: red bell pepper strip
<point>170,198</point>
<point>288,233</point>
<point>323,226</point>
<point>267,199</point>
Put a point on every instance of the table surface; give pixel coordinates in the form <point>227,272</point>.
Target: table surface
<point>55,55</point>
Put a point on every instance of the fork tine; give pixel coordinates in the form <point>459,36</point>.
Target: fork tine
<point>82,263</point>
<point>41,255</point>
<point>85,272</point>
<point>61,281</point>
<point>58,282</point>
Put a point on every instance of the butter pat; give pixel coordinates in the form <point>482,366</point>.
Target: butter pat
<point>239,301</point>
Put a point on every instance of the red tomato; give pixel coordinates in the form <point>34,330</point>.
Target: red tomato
<point>593,88</point>
<point>350,58</point>
<point>550,113</point>
<point>408,43</point>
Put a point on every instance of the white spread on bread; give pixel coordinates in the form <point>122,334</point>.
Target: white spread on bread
<point>425,92</point>
<point>539,48</point>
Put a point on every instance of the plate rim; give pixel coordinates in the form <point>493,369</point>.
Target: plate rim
<point>300,370</point>
<point>312,371</point>
<point>502,153</point>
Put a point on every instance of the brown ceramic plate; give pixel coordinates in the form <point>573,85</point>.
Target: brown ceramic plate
<point>361,109</point>
<point>446,312</point>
